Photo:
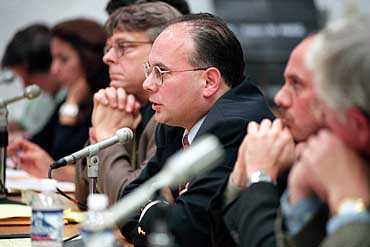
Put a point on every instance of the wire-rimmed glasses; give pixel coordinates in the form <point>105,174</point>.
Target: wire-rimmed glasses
<point>159,73</point>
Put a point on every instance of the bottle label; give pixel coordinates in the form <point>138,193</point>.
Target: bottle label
<point>99,238</point>
<point>47,225</point>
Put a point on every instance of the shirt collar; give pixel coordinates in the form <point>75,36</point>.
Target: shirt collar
<point>193,132</point>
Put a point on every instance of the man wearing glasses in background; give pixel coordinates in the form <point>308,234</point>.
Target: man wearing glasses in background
<point>131,31</point>
<point>195,76</point>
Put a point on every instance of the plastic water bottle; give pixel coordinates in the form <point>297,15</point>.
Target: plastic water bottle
<point>47,217</point>
<point>96,215</point>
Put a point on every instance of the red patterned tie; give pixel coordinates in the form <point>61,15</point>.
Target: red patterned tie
<point>185,144</point>
<point>185,141</point>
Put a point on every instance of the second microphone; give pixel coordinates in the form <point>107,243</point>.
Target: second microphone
<point>122,136</point>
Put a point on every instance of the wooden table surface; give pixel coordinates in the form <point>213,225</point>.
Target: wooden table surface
<point>69,230</point>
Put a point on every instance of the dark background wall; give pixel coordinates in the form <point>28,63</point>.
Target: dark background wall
<point>268,31</point>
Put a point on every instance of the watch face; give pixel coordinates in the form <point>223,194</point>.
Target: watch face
<point>355,205</point>
<point>70,110</point>
<point>258,176</point>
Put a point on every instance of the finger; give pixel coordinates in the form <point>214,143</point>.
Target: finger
<point>99,98</point>
<point>12,148</point>
<point>284,139</point>
<point>27,158</point>
<point>265,125</point>
<point>22,144</point>
<point>288,147</point>
<point>121,98</point>
<point>130,104</point>
<point>277,125</point>
<point>252,127</point>
<point>137,107</point>
<point>111,94</point>
<point>287,156</point>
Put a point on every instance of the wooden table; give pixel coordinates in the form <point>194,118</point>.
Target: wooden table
<point>69,230</point>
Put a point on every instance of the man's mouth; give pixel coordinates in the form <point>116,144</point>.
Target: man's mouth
<point>155,105</point>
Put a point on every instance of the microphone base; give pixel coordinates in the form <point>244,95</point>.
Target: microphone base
<point>3,194</point>
<point>92,172</point>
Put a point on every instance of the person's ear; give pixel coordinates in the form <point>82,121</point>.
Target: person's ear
<point>359,125</point>
<point>212,81</point>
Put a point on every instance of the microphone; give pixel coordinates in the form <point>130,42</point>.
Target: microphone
<point>29,92</point>
<point>203,155</point>
<point>122,136</point>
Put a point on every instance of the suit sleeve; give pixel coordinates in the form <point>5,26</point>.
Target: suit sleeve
<point>130,228</point>
<point>353,234</point>
<point>253,215</point>
<point>311,234</point>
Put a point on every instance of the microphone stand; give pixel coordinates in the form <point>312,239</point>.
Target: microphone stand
<point>92,172</point>
<point>3,146</point>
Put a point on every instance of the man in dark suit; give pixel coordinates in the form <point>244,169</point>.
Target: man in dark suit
<point>250,199</point>
<point>332,172</point>
<point>132,30</point>
<point>195,84</point>
<point>334,164</point>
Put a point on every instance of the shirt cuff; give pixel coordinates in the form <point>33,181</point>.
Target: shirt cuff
<point>340,220</point>
<point>297,215</point>
<point>231,192</point>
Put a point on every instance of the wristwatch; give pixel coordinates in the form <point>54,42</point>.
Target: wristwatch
<point>68,110</point>
<point>259,176</point>
<point>352,206</point>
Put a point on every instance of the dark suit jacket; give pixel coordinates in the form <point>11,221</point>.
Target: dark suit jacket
<point>250,219</point>
<point>187,219</point>
<point>314,233</point>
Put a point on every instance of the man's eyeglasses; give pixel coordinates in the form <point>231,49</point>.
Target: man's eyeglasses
<point>159,73</point>
<point>120,48</point>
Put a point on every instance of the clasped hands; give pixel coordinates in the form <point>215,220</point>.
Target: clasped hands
<point>113,109</point>
<point>323,165</point>
<point>268,147</point>
<point>330,169</point>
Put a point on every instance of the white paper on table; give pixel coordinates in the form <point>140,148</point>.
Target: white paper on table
<point>18,180</point>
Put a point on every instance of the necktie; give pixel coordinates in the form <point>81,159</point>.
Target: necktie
<point>185,141</point>
<point>185,144</point>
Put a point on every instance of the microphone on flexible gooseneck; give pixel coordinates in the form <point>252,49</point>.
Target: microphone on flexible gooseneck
<point>29,92</point>
<point>122,136</point>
